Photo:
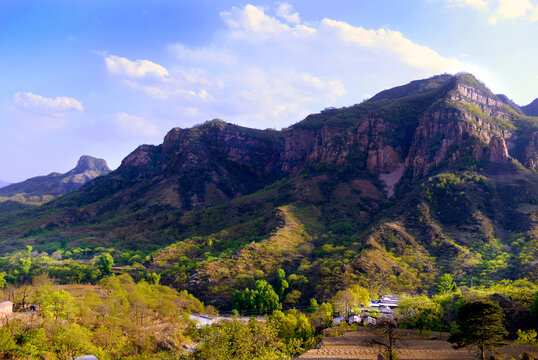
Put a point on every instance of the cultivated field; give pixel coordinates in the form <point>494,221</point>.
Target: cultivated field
<point>356,345</point>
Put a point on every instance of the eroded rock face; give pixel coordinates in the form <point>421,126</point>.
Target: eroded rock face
<point>443,134</point>
<point>140,157</point>
<point>372,137</point>
<point>87,162</point>
<point>497,150</point>
<point>531,152</point>
<point>308,145</point>
<point>257,150</point>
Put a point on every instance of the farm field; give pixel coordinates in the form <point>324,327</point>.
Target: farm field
<point>356,345</point>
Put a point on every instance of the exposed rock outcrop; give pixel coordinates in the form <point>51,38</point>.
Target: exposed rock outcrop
<point>531,152</point>
<point>497,150</point>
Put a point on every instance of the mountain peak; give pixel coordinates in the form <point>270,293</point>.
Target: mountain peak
<point>86,163</point>
<point>55,184</point>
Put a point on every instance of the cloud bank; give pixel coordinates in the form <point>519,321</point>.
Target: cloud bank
<point>270,70</point>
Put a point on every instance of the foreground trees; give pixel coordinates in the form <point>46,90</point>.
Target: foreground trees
<point>120,319</point>
<point>479,324</point>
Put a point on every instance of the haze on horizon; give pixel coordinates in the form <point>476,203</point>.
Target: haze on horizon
<point>97,78</point>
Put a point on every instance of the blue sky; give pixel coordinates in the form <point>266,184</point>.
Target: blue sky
<point>102,77</point>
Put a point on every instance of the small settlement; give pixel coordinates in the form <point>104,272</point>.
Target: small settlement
<point>368,314</point>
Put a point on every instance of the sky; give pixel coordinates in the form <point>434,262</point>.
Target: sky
<point>101,77</point>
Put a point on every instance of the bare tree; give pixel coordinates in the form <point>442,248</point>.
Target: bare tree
<point>387,337</point>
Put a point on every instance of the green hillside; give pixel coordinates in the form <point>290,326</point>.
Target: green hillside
<point>436,176</point>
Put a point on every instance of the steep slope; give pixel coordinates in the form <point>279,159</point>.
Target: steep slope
<point>43,188</point>
<point>438,175</point>
<point>531,109</point>
<point>505,99</point>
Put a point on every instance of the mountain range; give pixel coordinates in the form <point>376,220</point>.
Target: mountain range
<point>436,176</point>
<point>39,189</point>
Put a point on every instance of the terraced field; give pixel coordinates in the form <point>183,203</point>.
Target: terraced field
<point>357,346</point>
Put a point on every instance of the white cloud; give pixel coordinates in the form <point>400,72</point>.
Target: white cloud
<point>285,12</point>
<point>479,4</point>
<point>135,126</point>
<point>134,69</point>
<point>512,9</point>
<point>44,105</point>
<point>393,43</point>
<point>42,113</point>
<point>254,20</point>
<point>210,54</point>
<point>503,9</point>
<point>269,71</point>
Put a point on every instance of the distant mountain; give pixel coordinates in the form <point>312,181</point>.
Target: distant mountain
<point>435,176</point>
<point>3,183</point>
<point>531,109</point>
<point>44,188</point>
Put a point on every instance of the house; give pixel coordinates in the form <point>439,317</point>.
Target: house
<point>355,319</point>
<point>6,308</point>
<point>389,301</point>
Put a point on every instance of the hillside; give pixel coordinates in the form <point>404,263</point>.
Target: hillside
<point>41,189</point>
<point>438,175</point>
<point>531,109</point>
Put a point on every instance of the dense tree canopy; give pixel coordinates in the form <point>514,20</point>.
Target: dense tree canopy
<point>480,324</point>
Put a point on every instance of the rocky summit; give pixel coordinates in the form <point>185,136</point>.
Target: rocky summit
<point>435,176</point>
<point>40,189</point>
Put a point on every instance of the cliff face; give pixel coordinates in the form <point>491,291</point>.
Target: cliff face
<point>467,121</point>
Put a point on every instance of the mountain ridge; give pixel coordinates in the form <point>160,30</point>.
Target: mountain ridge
<point>366,193</point>
<point>531,109</point>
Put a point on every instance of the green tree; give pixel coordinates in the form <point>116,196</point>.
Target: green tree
<point>419,312</point>
<point>295,329</point>
<point>322,317</point>
<point>2,280</point>
<point>154,278</point>
<point>261,300</point>
<point>56,305</point>
<point>71,340</point>
<point>105,263</point>
<point>480,324</point>
<point>235,340</point>
<point>349,300</point>
<point>313,305</point>
<point>24,267</point>
<point>526,337</point>
<point>281,283</point>
<point>445,284</point>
